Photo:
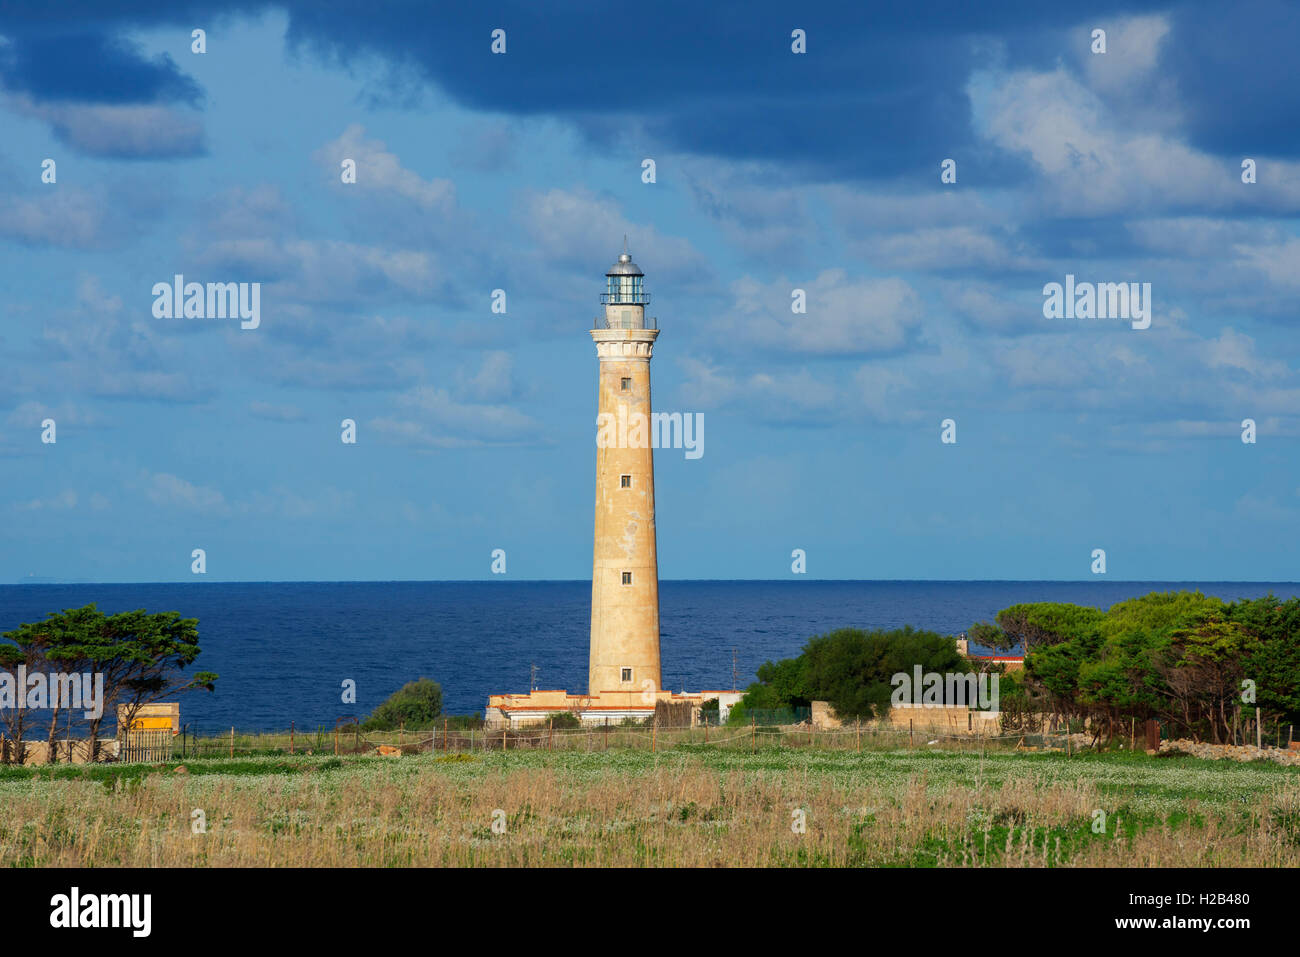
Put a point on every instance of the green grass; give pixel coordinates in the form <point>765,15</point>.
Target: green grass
<point>1167,782</point>
<point>689,805</point>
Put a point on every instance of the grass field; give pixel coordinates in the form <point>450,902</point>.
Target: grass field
<point>690,805</point>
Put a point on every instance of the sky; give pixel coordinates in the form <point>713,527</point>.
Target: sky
<point>774,171</point>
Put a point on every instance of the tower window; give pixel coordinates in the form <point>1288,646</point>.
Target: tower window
<point>625,481</point>
<point>626,675</point>
<point>627,578</point>
<point>627,385</point>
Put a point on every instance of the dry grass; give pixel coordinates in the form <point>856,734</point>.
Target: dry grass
<point>688,807</point>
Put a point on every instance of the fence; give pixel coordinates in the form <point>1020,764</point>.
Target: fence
<point>151,745</point>
<point>448,740</point>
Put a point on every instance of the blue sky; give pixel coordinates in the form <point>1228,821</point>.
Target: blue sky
<point>523,172</point>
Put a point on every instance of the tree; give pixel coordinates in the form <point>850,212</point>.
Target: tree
<point>55,644</point>
<point>1181,656</point>
<point>780,686</point>
<point>1274,659</point>
<point>14,719</point>
<point>415,705</point>
<point>1044,623</point>
<point>141,656</point>
<point>850,669</point>
<point>1158,612</point>
<point>854,670</point>
<point>1210,649</point>
<point>989,636</point>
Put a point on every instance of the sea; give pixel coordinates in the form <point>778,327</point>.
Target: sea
<point>284,650</point>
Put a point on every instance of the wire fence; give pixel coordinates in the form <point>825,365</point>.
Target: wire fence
<point>761,731</point>
<point>352,740</point>
<point>154,746</point>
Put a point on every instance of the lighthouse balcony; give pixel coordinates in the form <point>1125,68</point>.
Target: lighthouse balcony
<point>626,321</point>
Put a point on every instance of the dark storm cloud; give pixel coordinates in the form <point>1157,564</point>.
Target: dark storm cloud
<point>1235,66</point>
<point>880,92</point>
<point>91,67</point>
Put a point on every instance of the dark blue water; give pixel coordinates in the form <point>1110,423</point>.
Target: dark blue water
<point>284,649</point>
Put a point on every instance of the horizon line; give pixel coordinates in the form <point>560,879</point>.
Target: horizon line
<point>791,580</point>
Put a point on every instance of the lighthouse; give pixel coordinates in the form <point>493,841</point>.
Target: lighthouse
<point>623,677</point>
<point>624,569</point>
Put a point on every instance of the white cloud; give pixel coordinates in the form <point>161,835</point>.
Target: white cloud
<point>950,247</point>
<point>1233,350</point>
<point>93,348</point>
<point>31,413</point>
<point>432,417</point>
<point>327,270</point>
<point>1133,48</point>
<point>63,501</point>
<point>757,215</point>
<point>165,489</point>
<point>494,379</point>
<point>1095,165</point>
<point>1280,261</point>
<point>135,131</point>
<point>845,316</point>
<point>580,229</point>
<point>378,169</point>
<point>66,216</point>
<point>774,397</point>
<point>276,413</point>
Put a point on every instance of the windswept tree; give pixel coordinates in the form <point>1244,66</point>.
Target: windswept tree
<point>1037,625</point>
<point>141,656</point>
<point>989,636</point>
<point>144,657</point>
<point>54,646</point>
<point>13,714</point>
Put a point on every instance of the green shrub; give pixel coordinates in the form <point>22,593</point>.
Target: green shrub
<point>415,705</point>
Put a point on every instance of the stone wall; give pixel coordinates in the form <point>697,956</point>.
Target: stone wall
<point>38,752</point>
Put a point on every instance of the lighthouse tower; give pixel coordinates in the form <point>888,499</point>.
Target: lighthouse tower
<point>625,570</point>
<point>623,676</point>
